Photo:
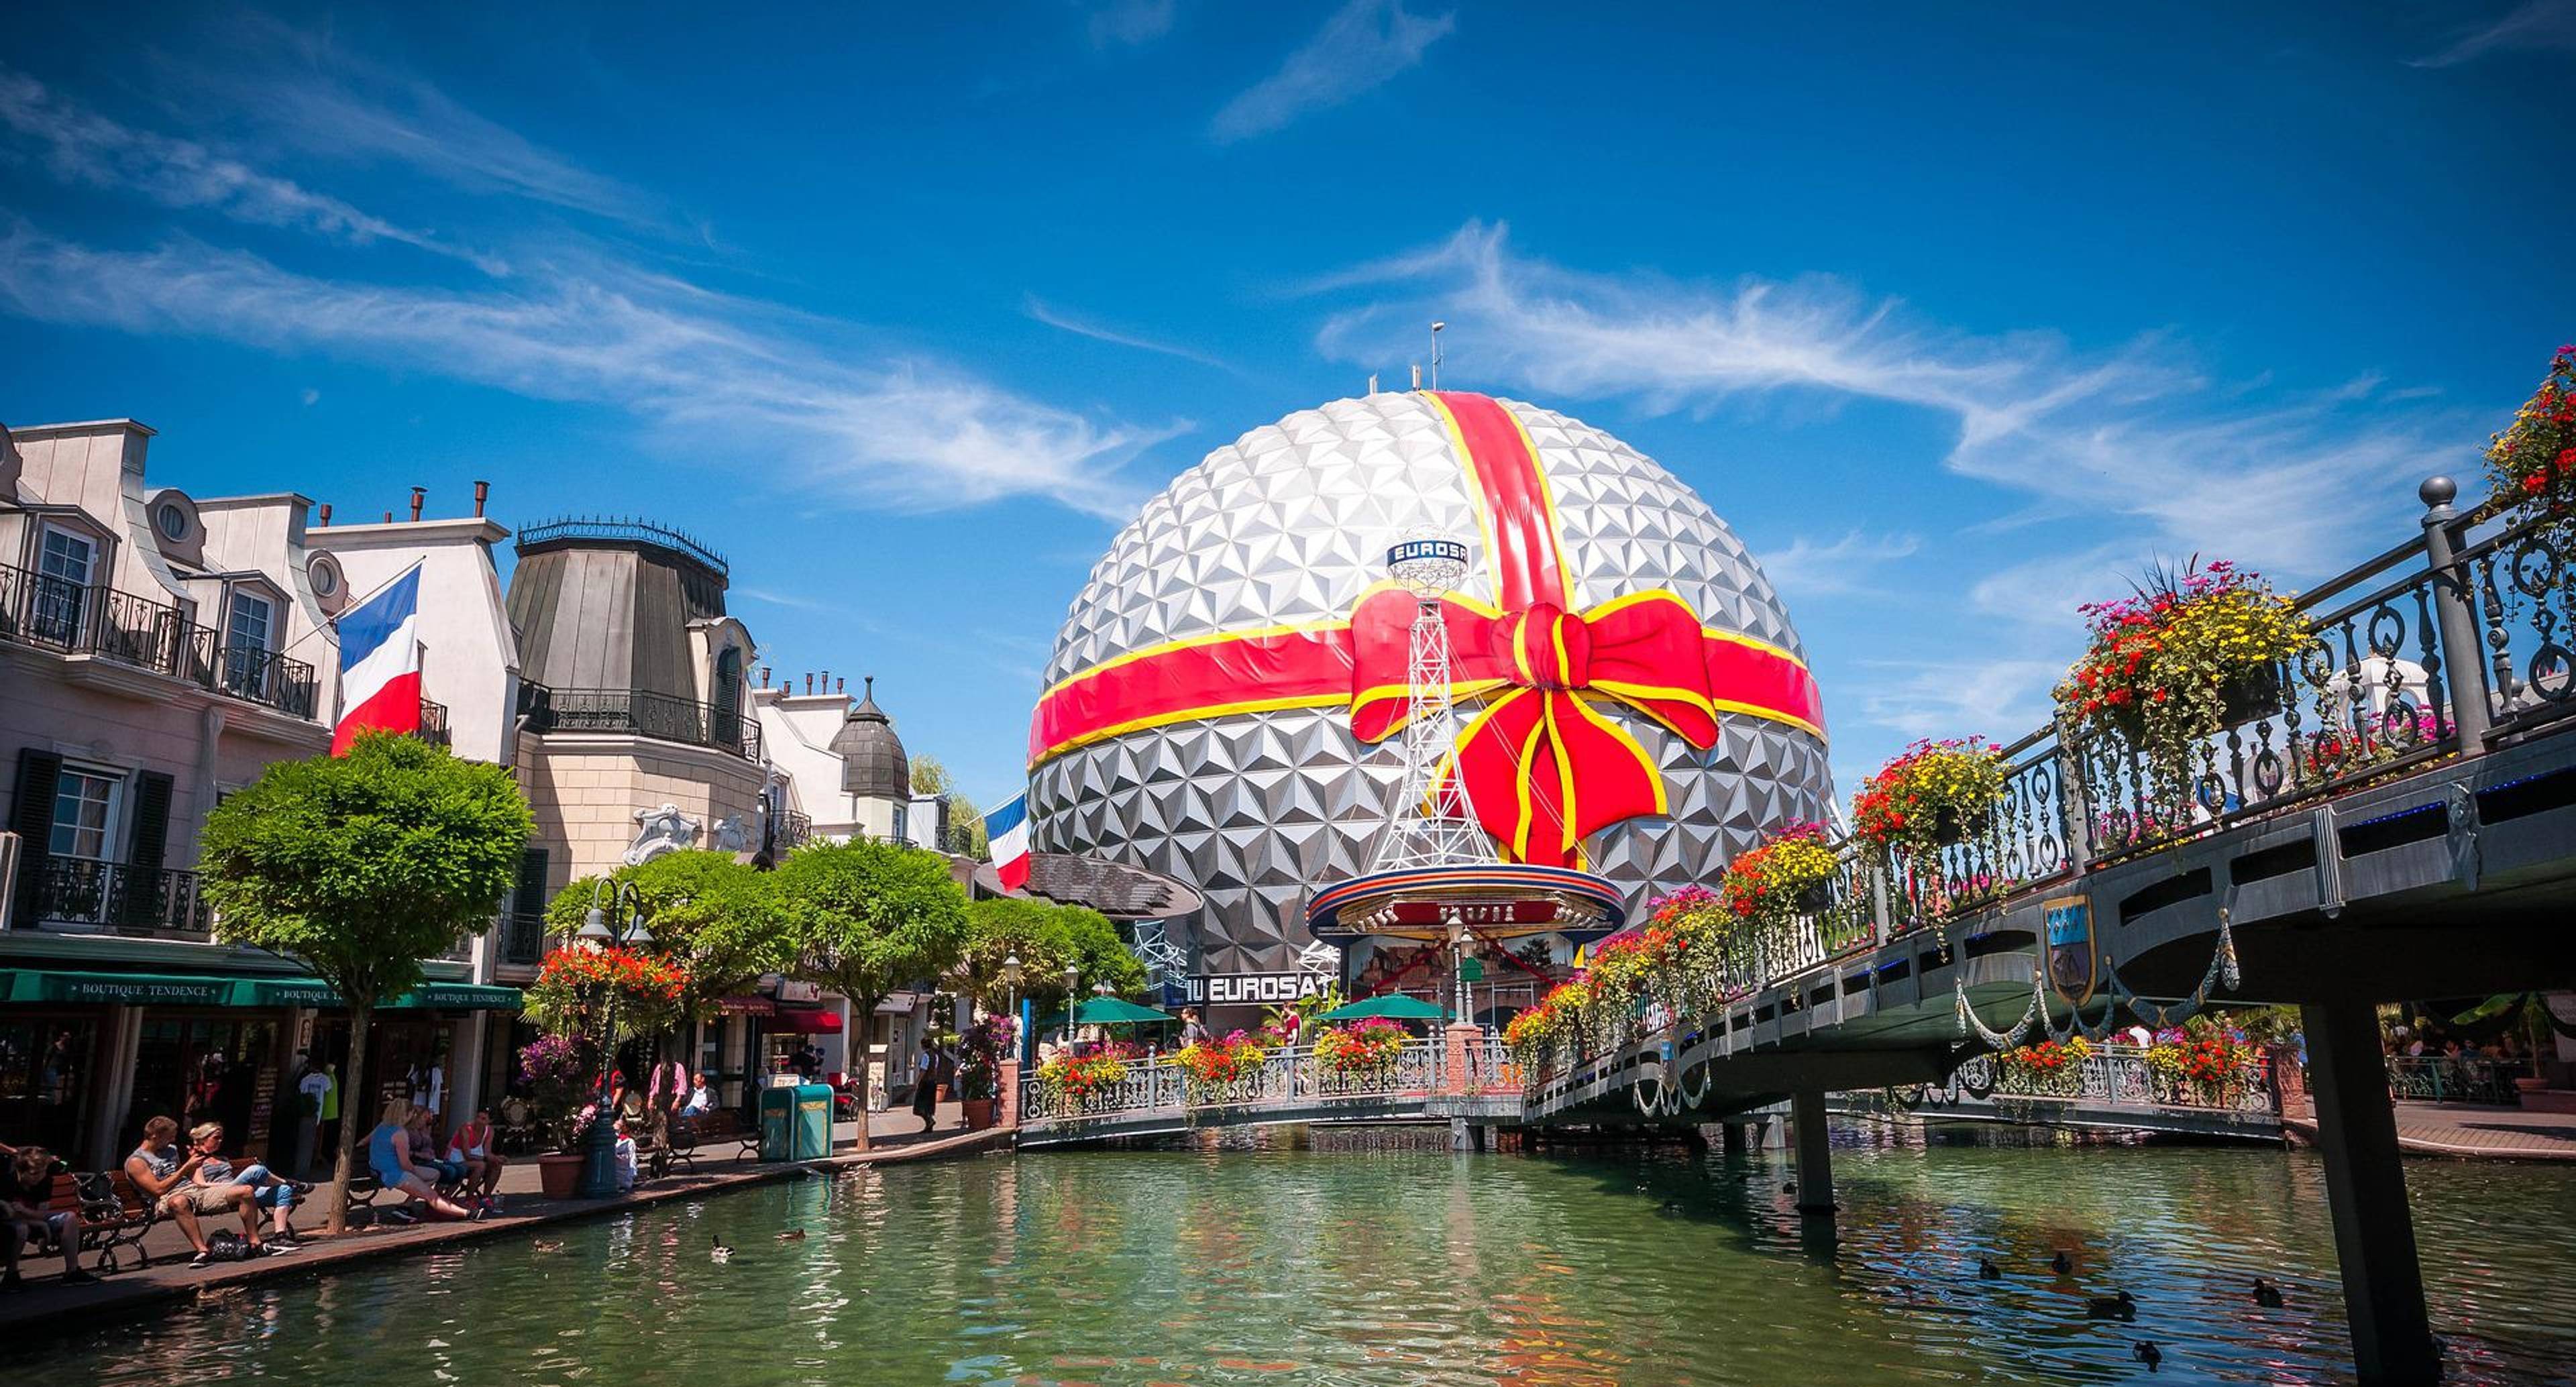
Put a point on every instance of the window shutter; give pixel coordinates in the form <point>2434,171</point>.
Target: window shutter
<point>531,896</point>
<point>149,841</point>
<point>31,817</point>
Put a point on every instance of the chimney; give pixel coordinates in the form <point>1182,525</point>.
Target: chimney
<point>389,517</point>
<point>844,688</point>
<point>418,495</point>
<point>827,681</point>
<point>809,684</point>
<point>482,493</point>
<point>326,515</point>
<point>764,669</point>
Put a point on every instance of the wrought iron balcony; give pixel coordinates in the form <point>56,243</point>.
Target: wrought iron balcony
<point>640,713</point>
<point>91,619</point>
<point>150,901</point>
<point>433,723</point>
<point>522,939</point>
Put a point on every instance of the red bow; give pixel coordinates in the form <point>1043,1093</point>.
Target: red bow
<point>1545,766</point>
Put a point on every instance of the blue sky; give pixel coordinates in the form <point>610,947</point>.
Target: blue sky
<point>1957,321</point>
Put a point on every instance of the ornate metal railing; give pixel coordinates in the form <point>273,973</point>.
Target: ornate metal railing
<point>150,901</point>
<point>89,619</point>
<point>2456,1078</point>
<point>2115,1076</point>
<point>433,723</point>
<point>641,713</point>
<point>616,530</point>
<point>1289,1077</point>
<point>522,941</point>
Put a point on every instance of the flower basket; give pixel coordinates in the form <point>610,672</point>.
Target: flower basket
<point>1362,1052</point>
<point>1776,882</point>
<point>2533,461</point>
<point>1217,1071</point>
<point>2190,655</point>
<point>1933,795</point>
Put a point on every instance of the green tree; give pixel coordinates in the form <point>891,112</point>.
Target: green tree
<point>866,918</point>
<point>359,867</point>
<point>965,822</point>
<point>716,918</point>
<point>1045,938</point>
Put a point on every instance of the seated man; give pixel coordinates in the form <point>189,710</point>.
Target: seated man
<point>702,1098</point>
<point>26,1182</point>
<point>268,1191</point>
<point>471,1146</point>
<point>167,1177</point>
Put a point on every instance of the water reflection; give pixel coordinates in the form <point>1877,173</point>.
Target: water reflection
<point>1391,1265</point>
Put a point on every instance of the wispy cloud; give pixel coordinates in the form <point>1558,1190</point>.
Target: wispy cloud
<point>785,599</point>
<point>1807,569</point>
<point>2543,25</point>
<point>1948,698</point>
<point>2135,436</point>
<point>317,97</point>
<point>1365,45</point>
<point>1131,22</point>
<point>79,145</point>
<point>713,375</point>
<point>1039,310</point>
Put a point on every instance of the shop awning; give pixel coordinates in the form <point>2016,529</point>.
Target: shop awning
<point>806,1020</point>
<point>1394,1006</point>
<point>183,990</point>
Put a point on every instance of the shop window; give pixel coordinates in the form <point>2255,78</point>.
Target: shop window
<point>44,1079</point>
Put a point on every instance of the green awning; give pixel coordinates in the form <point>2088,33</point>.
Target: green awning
<point>1394,1006</point>
<point>184,990</point>
<point>130,989</point>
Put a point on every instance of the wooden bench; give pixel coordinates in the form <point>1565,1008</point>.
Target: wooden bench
<point>365,1189</point>
<point>113,1216</point>
<point>714,1128</point>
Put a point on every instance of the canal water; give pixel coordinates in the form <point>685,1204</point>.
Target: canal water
<point>1411,1266</point>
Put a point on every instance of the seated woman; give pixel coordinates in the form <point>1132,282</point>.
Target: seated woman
<point>424,1149</point>
<point>271,1192</point>
<point>389,1155</point>
<point>167,1176</point>
<point>472,1147</point>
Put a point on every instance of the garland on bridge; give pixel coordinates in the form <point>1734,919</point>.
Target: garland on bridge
<point>2036,1014</point>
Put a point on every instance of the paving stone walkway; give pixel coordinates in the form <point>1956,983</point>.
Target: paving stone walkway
<point>2466,1130</point>
<point>46,1305</point>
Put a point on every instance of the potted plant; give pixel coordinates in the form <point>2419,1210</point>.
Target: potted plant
<point>2533,461</point>
<point>985,1048</point>
<point>1077,1079</point>
<point>2188,655</point>
<point>1362,1053</point>
<point>1211,1070</point>
<point>559,1071</point>
<point>1933,795</point>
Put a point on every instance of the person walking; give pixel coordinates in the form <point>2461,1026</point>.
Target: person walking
<point>1194,1029</point>
<point>925,1085</point>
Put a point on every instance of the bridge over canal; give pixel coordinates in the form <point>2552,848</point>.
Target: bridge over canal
<point>2399,824</point>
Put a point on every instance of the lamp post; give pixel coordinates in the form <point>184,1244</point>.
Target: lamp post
<point>1072,996</point>
<point>1011,989</point>
<point>599,1144</point>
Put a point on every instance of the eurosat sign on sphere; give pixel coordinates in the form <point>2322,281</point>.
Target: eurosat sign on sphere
<point>1265,989</point>
<point>1449,549</point>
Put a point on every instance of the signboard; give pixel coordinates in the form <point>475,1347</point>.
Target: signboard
<point>1254,989</point>
<point>791,990</point>
<point>1521,912</point>
<point>2071,963</point>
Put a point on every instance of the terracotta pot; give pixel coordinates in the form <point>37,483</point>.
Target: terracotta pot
<point>979,1113</point>
<point>558,1172</point>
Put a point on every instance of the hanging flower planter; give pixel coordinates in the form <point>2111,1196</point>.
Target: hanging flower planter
<point>1791,874</point>
<point>2533,462</point>
<point>1934,795</point>
<point>2189,655</point>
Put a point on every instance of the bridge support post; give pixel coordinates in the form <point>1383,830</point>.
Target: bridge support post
<point>1815,1153</point>
<point>2383,1283</point>
<point>2455,615</point>
<point>1731,1138</point>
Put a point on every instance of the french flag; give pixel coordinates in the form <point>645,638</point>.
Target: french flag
<point>1007,830</point>
<point>380,663</point>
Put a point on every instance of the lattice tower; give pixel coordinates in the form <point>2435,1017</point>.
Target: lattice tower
<point>1434,825</point>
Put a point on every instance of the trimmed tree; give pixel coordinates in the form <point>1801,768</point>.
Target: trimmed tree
<point>866,918</point>
<point>714,917</point>
<point>1046,938</point>
<point>358,867</point>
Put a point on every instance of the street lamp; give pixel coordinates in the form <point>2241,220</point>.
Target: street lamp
<point>1011,989</point>
<point>1072,995</point>
<point>599,1144</point>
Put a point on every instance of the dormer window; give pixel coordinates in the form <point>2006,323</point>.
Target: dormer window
<point>65,561</point>
<point>250,636</point>
<point>172,520</point>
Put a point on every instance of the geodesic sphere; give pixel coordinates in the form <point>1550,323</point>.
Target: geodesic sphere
<point>1288,527</point>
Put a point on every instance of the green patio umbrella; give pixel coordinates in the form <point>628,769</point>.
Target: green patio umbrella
<point>1110,1011</point>
<point>1393,1006</point>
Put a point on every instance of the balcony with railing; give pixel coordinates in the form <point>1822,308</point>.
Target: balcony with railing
<point>433,723</point>
<point>152,902</point>
<point>641,713</point>
<point>522,939</point>
<point>52,613</point>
